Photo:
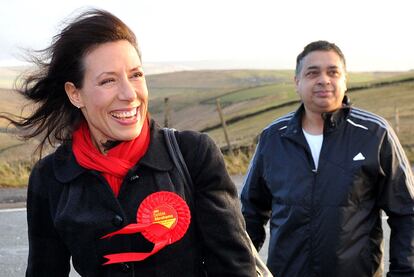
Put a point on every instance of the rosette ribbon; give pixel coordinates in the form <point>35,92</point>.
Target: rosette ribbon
<point>162,218</point>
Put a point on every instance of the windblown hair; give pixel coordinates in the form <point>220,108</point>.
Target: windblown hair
<point>320,45</point>
<point>54,117</point>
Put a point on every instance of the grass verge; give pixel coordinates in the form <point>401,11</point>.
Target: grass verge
<point>238,163</point>
<point>15,174</point>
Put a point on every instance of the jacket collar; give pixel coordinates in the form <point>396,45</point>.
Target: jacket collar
<point>335,119</point>
<point>294,126</point>
<point>332,120</point>
<point>157,156</point>
<point>66,167</point>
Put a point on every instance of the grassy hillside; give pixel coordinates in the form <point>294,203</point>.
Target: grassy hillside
<point>10,102</point>
<point>9,74</point>
<point>245,92</point>
<point>188,88</point>
<point>383,101</point>
<point>192,96</point>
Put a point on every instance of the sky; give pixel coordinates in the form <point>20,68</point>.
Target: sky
<point>260,34</point>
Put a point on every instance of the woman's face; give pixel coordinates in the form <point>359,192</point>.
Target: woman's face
<point>114,96</point>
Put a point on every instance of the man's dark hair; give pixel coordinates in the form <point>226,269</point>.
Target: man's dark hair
<point>320,45</point>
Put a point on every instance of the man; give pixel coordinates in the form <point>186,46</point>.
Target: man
<point>322,175</point>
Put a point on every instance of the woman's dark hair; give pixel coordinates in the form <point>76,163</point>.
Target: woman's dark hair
<point>54,117</point>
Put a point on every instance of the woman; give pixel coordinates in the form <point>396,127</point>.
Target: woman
<point>109,197</point>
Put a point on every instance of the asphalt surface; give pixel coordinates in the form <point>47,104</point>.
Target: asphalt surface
<point>12,198</point>
<point>13,243</point>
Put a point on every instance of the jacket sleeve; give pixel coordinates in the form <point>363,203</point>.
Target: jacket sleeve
<point>48,256</point>
<point>256,199</point>
<point>219,221</point>
<point>396,198</point>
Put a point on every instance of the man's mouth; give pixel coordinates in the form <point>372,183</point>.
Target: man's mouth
<point>323,92</point>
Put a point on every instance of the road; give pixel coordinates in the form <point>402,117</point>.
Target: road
<point>14,249</point>
<point>13,243</point>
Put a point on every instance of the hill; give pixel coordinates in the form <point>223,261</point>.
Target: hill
<point>241,92</point>
<point>250,99</point>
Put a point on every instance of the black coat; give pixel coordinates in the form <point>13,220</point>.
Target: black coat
<point>327,222</point>
<point>69,208</point>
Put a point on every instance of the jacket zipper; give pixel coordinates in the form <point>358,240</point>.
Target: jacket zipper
<point>312,213</point>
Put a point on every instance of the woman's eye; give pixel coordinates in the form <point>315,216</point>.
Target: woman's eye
<point>137,75</point>
<point>106,81</point>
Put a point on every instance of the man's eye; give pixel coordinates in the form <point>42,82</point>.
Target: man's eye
<point>311,73</point>
<point>334,73</point>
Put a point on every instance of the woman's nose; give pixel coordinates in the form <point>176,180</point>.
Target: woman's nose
<point>128,91</point>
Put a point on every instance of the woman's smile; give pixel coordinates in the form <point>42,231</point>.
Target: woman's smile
<point>126,116</point>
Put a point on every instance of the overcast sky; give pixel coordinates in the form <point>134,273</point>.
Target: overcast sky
<point>374,35</point>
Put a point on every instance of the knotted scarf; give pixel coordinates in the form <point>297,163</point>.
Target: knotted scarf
<point>118,160</point>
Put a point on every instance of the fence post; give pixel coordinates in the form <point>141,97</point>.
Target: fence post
<point>397,120</point>
<point>166,112</point>
<point>223,124</point>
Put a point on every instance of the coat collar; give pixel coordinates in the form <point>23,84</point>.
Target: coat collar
<point>332,120</point>
<point>66,167</point>
<point>157,156</point>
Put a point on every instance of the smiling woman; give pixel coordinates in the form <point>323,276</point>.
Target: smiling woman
<point>114,95</point>
<point>110,197</point>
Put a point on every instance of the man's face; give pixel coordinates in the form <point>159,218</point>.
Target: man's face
<point>321,83</point>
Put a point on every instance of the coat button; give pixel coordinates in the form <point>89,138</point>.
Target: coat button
<point>125,267</point>
<point>135,177</point>
<point>117,221</point>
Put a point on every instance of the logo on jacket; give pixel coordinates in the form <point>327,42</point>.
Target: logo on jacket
<point>359,157</point>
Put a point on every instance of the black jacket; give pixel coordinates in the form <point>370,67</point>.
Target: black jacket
<point>69,208</point>
<point>328,222</point>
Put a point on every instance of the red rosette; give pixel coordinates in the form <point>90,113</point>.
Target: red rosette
<point>166,209</point>
<point>162,218</point>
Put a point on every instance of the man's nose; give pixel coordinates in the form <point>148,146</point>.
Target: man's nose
<point>324,79</point>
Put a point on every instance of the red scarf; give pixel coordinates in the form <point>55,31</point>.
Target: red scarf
<point>119,159</point>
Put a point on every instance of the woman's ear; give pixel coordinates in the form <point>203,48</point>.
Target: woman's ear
<point>74,95</point>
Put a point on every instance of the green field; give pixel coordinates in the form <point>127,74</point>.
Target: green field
<point>192,97</point>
